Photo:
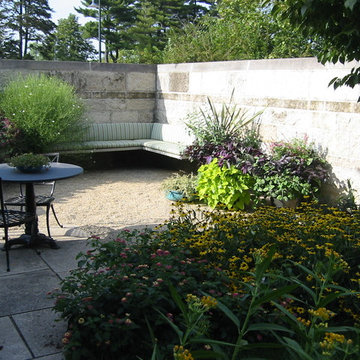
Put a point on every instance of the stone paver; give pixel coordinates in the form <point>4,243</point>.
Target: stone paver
<point>13,347</point>
<point>26,291</point>
<point>41,330</point>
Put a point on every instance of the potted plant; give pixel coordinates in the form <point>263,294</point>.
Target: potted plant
<point>180,187</point>
<point>29,162</point>
<point>294,170</point>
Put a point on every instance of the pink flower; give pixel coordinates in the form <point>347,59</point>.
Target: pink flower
<point>124,300</point>
<point>170,316</point>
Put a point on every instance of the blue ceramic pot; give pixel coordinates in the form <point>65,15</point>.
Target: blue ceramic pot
<point>174,195</point>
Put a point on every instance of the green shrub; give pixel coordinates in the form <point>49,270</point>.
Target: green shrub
<point>228,186</point>
<point>45,109</point>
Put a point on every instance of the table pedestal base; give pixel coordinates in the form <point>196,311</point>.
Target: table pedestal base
<point>34,240</point>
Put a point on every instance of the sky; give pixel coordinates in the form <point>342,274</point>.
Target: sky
<point>62,9</point>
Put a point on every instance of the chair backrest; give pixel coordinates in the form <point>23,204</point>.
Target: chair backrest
<point>48,187</point>
<point>3,220</point>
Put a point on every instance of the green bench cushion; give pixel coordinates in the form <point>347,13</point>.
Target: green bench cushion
<point>164,147</point>
<point>171,133</point>
<point>165,139</point>
<point>91,145</point>
<point>118,131</point>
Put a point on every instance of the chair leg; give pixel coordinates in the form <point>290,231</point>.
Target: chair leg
<point>47,219</point>
<point>57,220</point>
<point>7,249</point>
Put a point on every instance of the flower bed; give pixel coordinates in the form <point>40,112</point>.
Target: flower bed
<point>220,285</point>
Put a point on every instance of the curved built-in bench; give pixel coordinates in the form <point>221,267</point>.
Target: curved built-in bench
<point>165,139</point>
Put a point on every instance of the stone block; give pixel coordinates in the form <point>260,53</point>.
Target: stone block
<point>179,82</point>
<point>99,116</point>
<point>105,104</point>
<point>92,81</point>
<point>136,81</point>
<point>123,117</point>
<point>140,104</point>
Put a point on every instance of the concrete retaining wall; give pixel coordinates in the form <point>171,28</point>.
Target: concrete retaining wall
<point>112,92</point>
<point>293,93</point>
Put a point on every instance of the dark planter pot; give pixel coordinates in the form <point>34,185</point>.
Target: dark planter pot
<point>30,169</point>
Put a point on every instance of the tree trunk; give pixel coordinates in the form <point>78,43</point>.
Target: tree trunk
<point>21,30</point>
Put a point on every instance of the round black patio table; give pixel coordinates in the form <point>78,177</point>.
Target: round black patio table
<point>56,171</point>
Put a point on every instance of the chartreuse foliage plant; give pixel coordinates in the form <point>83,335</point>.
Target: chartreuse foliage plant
<point>226,186</point>
<point>272,284</point>
<point>45,109</point>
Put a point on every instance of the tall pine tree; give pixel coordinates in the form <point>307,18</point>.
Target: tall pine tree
<point>28,21</point>
<point>66,43</point>
<point>140,26</point>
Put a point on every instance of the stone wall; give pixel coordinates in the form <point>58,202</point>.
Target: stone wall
<point>293,93</point>
<point>112,92</point>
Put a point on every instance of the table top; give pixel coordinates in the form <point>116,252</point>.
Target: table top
<point>57,171</point>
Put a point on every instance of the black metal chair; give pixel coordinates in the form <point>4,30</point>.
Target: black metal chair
<point>43,199</point>
<point>11,218</point>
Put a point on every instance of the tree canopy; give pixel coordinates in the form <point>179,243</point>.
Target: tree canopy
<point>242,29</point>
<point>66,43</point>
<point>137,29</point>
<point>335,22</point>
<point>24,21</point>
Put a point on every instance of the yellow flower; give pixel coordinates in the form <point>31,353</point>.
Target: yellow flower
<point>322,313</point>
<point>244,266</point>
<point>180,353</point>
<point>81,320</point>
<point>208,302</point>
